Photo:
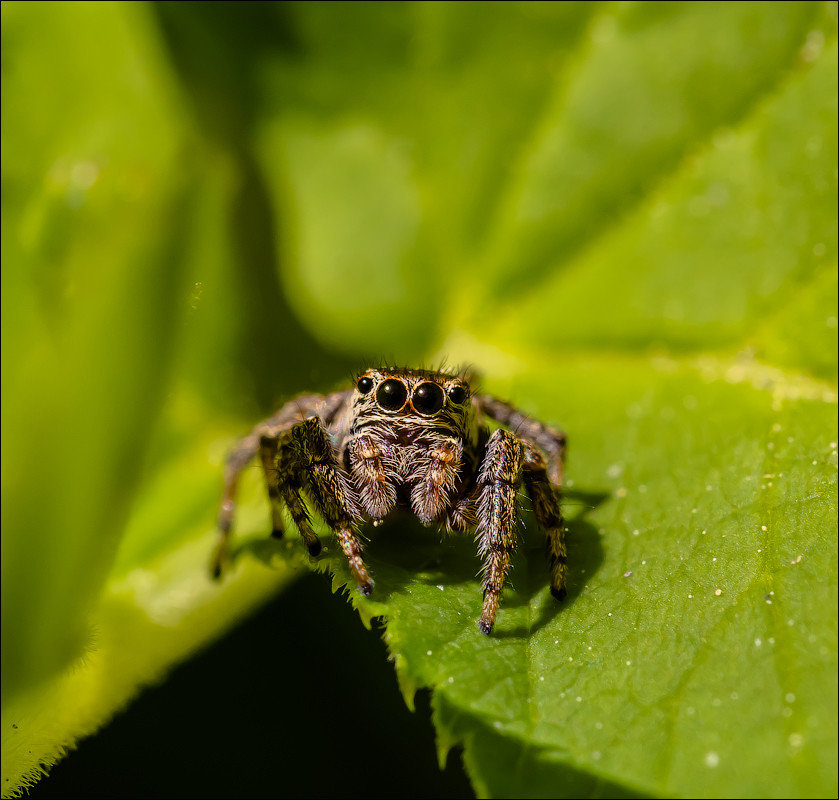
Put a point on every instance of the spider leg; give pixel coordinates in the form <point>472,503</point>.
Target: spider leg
<point>327,485</point>
<point>462,516</point>
<point>498,482</point>
<point>287,469</point>
<point>268,456</point>
<point>551,441</point>
<point>545,499</point>
<point>263,440</point>
<point>238,459</point>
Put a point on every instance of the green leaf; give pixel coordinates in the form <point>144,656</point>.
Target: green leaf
<point>89,303</point>
<point>100,202</point>
<point>692,650</point>
<point>623,214</point>
<point>674,191</point>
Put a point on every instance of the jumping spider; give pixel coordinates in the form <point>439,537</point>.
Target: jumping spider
<point>411,439</point>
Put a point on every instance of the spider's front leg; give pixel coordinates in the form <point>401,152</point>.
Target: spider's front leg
<point>548,439</point>
<point>306,459</point>
<point>498,482</point>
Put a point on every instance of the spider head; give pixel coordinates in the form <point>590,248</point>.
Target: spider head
<point>415,394</point>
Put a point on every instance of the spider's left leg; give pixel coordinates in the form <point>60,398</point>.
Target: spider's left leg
<point>545,499</point>
<point>238,459</point>
<point>499,478</point>
<point>265,441</point>
<point>329,488</point>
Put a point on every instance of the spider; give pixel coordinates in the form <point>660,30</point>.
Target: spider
<point>407,439</point>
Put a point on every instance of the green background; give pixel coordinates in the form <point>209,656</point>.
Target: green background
<point>624,215</point>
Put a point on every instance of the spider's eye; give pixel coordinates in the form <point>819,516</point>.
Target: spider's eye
<point>427,398</point>
<point>364,385</point>
<point>391,395</point>
<point>457,394</point>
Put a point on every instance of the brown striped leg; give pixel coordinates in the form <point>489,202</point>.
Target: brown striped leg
<point>290,495</point>
<point>545,499</point>
<point>351,546</point>
<point>261,440</point>
<point>463,516</point>
<point>551,441</point>
<point>268,456</point>
<point>238,459</point>
<point>328,487</point>
<point>498,481</point>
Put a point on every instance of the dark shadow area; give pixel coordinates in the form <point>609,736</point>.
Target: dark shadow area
<point>449,559</point>
<point>298,701</point>
<point>407,551</point>
<point>396,551</point>
<point>577,502</point>
<point>529,574</point>
<point>401,550</point>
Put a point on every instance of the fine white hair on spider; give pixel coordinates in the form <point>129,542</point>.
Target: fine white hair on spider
<point>410,439</point>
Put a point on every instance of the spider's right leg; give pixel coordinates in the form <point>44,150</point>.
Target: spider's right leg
<point>548,439</point>
<point>545,499</point>
<point>499,478</point>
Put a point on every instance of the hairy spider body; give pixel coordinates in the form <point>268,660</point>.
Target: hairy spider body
<point>414,440</point>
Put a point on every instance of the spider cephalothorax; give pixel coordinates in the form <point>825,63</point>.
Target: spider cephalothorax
<point>411,435</point>
<point>410,439</point>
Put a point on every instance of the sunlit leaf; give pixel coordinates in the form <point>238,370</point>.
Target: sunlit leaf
<point>624,215</point>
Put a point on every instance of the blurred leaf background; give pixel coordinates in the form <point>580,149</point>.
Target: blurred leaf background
<point>623,214</point>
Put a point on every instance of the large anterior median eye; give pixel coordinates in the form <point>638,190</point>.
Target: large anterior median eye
<point>427,398</point>
<point>391,395</point>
